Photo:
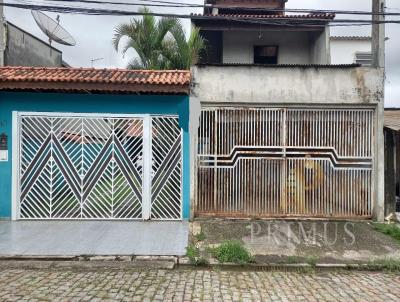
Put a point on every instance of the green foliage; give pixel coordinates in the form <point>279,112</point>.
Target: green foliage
<point>389,229</point>
<point>193,253</point>
<point>200,237</point>
<point>390,265</point>
<point>312,260</point>
<point>158,43</point>
<point>232,251</point>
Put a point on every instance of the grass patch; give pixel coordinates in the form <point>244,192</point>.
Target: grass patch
<point>391,230</point>
<point>232,251</point>
<point>195,258</point>
<point>200,237</point>
<point>312,260</point>
<point>389,265</point>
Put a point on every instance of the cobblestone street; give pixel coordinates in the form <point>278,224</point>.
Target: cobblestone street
<point>200,285</point>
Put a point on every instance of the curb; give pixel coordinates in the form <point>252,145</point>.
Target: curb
<point>184,263</point>
<point>88,262</point>
<point>168,262</point>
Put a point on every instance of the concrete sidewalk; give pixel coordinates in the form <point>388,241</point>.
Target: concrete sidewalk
<point>280,241</point>
<point>74,238</point>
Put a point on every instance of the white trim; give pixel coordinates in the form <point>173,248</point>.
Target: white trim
<point>182,187</point>
<point>147,168</point>
<point>15,188</point>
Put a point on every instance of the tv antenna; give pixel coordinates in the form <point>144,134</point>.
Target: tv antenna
<point>95,60</point>
<point>52,29</point>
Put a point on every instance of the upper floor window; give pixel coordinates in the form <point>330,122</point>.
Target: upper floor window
<point>363,58</point>
<point>266,54</point>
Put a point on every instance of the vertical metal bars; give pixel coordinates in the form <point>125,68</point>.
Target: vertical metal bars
<point>285,162</point>
<point>92,167</point>
<point>166,188</point>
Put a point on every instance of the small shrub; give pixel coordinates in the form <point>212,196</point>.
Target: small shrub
<point>391,230</point>
<point>232,251</point>
<point>193,253</point>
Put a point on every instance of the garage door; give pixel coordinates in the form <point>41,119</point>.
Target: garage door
<point>285,162</point>
<point>99,167</point>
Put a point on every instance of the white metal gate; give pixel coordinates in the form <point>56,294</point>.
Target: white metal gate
<point>285,162</point>
<point>99,167</point>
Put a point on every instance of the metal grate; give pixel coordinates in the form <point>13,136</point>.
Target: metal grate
<point>85,167</point>
<point>285,162</point>
<point>166,169</point>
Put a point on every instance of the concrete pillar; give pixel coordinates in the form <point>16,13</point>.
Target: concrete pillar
<point>378,61</point>
<point>194,122</point>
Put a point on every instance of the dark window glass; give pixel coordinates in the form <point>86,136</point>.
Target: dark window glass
<point>265,54</point>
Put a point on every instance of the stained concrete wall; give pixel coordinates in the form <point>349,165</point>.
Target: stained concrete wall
<point>295,47</point>
<point>303,86</point>
<point>24,49</point>
<point>296,85</point>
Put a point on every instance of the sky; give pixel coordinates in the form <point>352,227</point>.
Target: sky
<point>93,35</point>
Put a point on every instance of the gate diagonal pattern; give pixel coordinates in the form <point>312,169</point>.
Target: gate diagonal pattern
<point>283,162</point>
<point>73,167</point>
<point>166,188</point>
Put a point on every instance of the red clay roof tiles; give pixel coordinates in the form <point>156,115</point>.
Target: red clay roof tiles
<point>98,80</point>
<point>267,16</point>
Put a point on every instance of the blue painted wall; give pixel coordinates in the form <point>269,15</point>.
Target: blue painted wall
<point>86,103</point>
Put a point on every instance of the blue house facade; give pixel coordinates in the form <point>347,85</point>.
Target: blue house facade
<point>94,144</point>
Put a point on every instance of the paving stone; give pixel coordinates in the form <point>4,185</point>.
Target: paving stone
<point>194,285</point>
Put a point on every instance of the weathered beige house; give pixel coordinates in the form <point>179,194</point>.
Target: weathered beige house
<point>279,131</point>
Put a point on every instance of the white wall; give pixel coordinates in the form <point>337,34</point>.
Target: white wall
<point>294,47</point>
<point>343,51</point>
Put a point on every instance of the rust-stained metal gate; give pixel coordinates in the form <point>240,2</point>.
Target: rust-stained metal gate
<point>285,162</point>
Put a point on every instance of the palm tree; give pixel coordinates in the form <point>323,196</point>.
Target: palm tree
<point>159,44</point>
<point>181,53</point>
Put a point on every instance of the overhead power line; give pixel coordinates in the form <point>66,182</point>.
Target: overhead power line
<point>171,4</point>
<point>312,22</point>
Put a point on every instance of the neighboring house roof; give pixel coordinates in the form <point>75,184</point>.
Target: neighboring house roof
<point>264,16</point>
<point>392,119</point>
<point>359,38</point>
<point>95,80</point>
<point>33,36</point>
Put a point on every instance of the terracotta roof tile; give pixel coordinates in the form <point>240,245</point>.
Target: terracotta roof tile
<point>267,16</point>
<point>99,80</point>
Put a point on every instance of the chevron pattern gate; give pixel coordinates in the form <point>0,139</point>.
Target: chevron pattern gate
<point>265,162</point>
<point>99,167</point>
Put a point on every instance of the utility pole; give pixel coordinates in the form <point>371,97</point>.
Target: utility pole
<point>2,34</point>
<point>378,34</point>
<point>378,63</point>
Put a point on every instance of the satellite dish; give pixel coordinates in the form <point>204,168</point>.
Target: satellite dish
<point>52,29</point>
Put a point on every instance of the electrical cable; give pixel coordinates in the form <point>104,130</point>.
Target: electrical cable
<point>311,22</point>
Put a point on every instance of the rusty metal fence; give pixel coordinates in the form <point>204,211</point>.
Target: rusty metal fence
<point>285,162</point>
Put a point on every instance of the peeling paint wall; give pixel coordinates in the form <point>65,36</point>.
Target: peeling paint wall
<point>297,85</point>
<point>300,86</point>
